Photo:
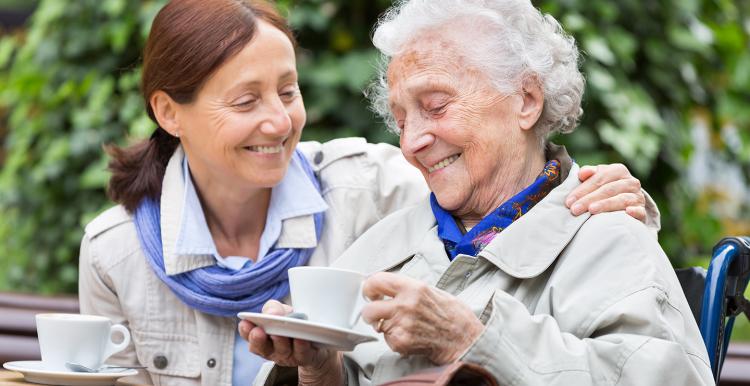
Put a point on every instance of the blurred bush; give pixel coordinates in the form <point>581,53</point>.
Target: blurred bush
<point>667,94</point>
<point>69,84</point>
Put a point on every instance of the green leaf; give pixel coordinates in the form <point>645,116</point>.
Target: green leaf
<point>597,48</point>
<point>7,46</point>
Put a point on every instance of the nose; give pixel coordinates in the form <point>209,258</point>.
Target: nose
<point>277,121</point>
<point>415,137</point>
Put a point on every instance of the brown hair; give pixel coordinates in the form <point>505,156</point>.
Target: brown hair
<point>188,42</point>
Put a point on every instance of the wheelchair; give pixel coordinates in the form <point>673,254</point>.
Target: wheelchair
<point>716,296</point>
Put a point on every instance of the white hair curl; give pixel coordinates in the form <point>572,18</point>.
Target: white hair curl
<point>511,42</point>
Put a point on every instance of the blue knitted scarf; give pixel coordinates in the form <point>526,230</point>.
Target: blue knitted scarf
<point>220,291</point>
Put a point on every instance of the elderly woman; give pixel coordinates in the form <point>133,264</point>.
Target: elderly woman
<point>493,269</point>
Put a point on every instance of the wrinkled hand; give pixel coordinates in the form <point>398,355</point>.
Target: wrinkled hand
<point>418,318</point>
<point>607,188</point>
<point>316,365</point>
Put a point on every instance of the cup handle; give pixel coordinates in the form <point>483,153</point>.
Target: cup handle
<point>361,302</point>
<point>112,347</point>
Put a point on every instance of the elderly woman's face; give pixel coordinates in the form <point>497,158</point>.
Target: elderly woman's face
<point>247,119</point>
<point>455,127</point>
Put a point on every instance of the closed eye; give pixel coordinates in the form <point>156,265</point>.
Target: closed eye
<point>288,96</point>
<point>438,110</point>
<point>245,103</point>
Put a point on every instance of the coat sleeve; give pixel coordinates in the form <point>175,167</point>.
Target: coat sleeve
<point>97,296</point>
<point>613,314</point>
<point>523,349</point>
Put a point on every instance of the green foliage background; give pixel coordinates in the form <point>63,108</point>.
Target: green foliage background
<point>656,70</point>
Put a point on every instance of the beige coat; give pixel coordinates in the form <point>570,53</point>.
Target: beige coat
<point>361,184</point>
<point>565,300</point>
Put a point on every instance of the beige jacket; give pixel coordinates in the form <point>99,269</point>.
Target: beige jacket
<point>361,183</point>
<point>565,300</point>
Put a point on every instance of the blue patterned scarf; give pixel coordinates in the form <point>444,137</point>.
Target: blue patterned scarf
<point>220,291</point>
<point>473,241</point>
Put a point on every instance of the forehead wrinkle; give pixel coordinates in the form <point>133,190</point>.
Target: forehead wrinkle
<point>418,77</point>
<point>442,56</point>
<point>435,54</point>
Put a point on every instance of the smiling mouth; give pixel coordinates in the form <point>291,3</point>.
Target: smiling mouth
<point>266,149</point>
<point>443,164</point>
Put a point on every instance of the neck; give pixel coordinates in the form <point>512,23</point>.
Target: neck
<point>236,218</point>
<point>506,183</point>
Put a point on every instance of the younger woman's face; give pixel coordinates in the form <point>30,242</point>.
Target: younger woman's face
<point>244,124</point>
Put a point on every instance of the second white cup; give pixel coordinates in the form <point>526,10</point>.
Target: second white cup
<point>329,296</point>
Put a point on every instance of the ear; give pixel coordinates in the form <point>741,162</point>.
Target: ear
<point>166,112</point>
<point>533,103</point>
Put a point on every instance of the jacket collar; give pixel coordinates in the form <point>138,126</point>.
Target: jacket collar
<point>532,243</point>
<point>523,250</point>
<point>172,205</point>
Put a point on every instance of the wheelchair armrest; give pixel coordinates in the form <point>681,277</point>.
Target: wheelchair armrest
<point>738,276</point>
<point>723,299</point>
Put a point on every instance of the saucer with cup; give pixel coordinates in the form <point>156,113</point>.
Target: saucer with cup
<point>327,304</point>
<point>74,338</point>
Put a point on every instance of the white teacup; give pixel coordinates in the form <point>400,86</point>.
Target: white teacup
<point>82,339</point>
<point>329,296</point>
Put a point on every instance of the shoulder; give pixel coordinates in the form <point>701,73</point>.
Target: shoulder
<point>353,170</point>
<point>321,155</point>
<point>110,237</point>
<point>110,218</point>
<point>353,152</point>
<point>619,228</point>
<point>615,245</point>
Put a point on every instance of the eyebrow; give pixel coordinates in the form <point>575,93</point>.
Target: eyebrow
<point>432,84</point>
<point>254,83</point>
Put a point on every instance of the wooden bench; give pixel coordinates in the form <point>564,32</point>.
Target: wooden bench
<point>736,370</point>
<point>18,340</point>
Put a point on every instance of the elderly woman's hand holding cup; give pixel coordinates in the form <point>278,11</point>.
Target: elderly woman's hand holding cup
<point>418,319</point>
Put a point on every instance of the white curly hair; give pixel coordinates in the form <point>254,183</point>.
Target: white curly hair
<point>509,41</point>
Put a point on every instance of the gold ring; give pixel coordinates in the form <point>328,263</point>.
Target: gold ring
<point>379,328</point>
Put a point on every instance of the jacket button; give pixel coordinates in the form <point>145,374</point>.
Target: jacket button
<point>160,362</point>
<point>211,363</point>
<point>318,158</point>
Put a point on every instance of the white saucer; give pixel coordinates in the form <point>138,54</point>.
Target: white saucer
<point>34,371</point>
<point>324,335</point>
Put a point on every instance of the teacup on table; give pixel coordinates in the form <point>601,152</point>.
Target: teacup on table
<point>81,339</point>
<point>328,296</point>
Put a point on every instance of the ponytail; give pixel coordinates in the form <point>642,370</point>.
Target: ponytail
<point>138,170</point>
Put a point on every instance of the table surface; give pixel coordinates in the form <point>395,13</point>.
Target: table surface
<point>12,378</point>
